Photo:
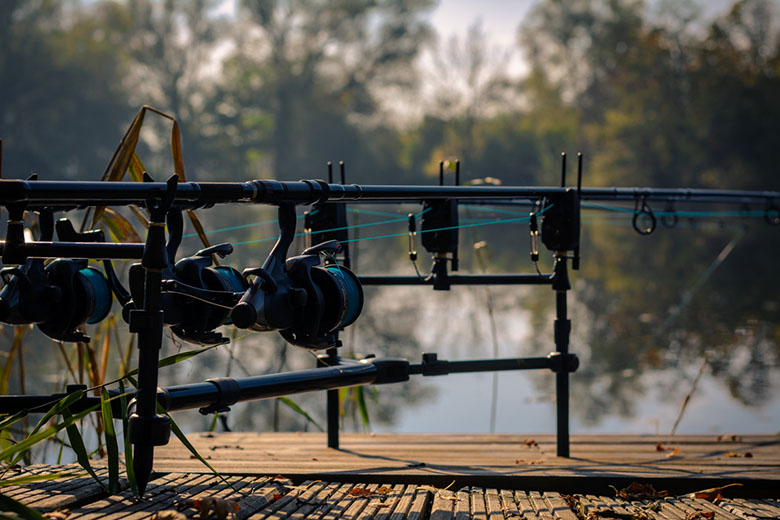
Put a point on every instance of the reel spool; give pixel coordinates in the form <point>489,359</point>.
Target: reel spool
<point>59,298</point>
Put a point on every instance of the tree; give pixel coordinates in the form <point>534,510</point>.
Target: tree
<point>308,78</point>
<point>173,49</point>
<point>662,105</point>
<point>61,107</point>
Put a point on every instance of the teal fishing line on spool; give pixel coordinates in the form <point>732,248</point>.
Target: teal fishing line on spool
<point>352,294</point>
<point>101,293</point>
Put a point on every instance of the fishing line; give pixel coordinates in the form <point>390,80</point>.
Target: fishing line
<point>686,214</point>
<point>367,224</point>
<point>374,212</point>
<point>275,221</point>
<point>474,224</point>
<point>242,226</point>
<point>398,218</point>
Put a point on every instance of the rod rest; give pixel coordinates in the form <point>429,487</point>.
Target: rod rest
<point>555,361</point>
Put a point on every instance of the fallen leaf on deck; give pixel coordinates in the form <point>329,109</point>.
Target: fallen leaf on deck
<point>360,492</point>
<point>636,491</point>
<point>530,443</point>
<point>748,455</point>
<point>383,490</point>
<point>700,515</point>
<point>382,504</point>
<point>168,514</point>
<point>659,447</point>
<point>712,494</point>
<point>222,507</point>
<point>673,453</point>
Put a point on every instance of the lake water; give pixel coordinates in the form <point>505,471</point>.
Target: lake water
<point>459,406</point>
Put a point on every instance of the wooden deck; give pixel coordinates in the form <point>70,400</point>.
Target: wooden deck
<point>400,477</point>
<point>516,461</point>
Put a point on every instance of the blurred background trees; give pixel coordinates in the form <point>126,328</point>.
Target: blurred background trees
<point>665,94</point>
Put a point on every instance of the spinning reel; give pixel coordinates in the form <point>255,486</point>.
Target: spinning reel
<point>196,296</point>
<point>59,297</point>
<point>305,301</point>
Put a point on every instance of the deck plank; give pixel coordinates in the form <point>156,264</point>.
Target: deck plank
<point>443,507</point>
<point>501,477</point>
<point>74,488</point>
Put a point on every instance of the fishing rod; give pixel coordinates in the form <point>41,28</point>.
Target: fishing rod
<point>307,298</point>
<point>219,394</point>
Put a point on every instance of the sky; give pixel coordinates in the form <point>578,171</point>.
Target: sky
<point>500,19</point>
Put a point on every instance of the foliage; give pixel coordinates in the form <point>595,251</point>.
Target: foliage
<point>665,97</point>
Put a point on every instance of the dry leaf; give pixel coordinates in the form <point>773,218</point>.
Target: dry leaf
<point>712,494</point>
<point>636,491</point>
<point>383,504</point>
<point>168,514</point>
<point>748,455</point>
<point>222,508</point>
<point>673,453</point>
<point>198,228</point>
<point>277,496</point>
<point>383,490</point>
<point>531,443</point>
<point>359,492</point>
<point>120,228</point>
<point>659,447</point>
